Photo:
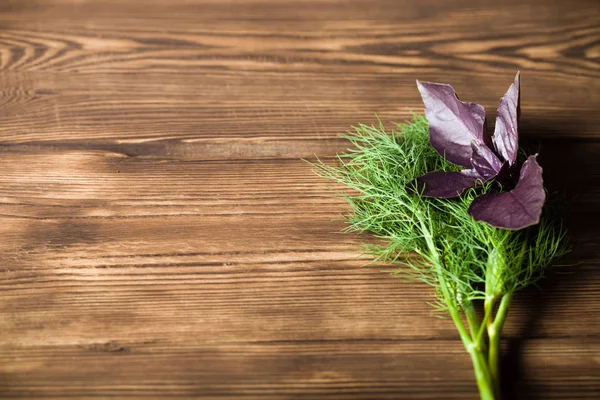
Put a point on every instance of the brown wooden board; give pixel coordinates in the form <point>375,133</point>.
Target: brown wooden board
<point>160,236</point>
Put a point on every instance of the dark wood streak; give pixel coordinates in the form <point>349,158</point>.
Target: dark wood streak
<point>161,238</point>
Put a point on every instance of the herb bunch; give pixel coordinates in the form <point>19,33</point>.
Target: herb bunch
<point>470,263</point>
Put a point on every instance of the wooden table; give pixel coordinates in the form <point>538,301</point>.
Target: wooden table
<point>161,238</point>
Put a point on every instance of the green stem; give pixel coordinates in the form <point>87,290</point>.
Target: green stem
<point>480,366</point>
<point>474,326</point>
<point>494,329</point>
<point>482,375</point>
<point>435,258</point>
<point>488,308</point>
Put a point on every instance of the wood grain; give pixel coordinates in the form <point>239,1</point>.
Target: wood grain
<point>162,238</point>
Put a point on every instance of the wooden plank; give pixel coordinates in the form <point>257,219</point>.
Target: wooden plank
<point>274,70</point>
<point>142,247</point>
<point>311,369</point>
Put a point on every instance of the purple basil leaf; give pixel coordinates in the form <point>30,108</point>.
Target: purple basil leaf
<point>471,172</point>
<point>444,184</point>
<point>517,209</point>
<point>506,134</point>
<point>484,161</point>
<point>452,123</point>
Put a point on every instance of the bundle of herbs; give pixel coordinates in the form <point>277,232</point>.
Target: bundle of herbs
<point>457,209</point>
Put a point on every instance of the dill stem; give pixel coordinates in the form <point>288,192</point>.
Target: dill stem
<point>485,382</point>
<point>489,307</point>
<point>472,320</point>
<point>494,330</point>
<point>440,273</point>
<point>483,377</point>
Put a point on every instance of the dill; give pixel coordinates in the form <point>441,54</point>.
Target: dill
<point>470,264</point>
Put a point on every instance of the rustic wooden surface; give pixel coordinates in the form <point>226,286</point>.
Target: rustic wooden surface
<point>161,238</point>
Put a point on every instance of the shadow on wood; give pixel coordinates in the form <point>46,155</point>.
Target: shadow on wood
<point>570,174</point>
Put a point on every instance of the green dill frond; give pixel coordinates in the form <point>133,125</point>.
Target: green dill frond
<point>433,240</point>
